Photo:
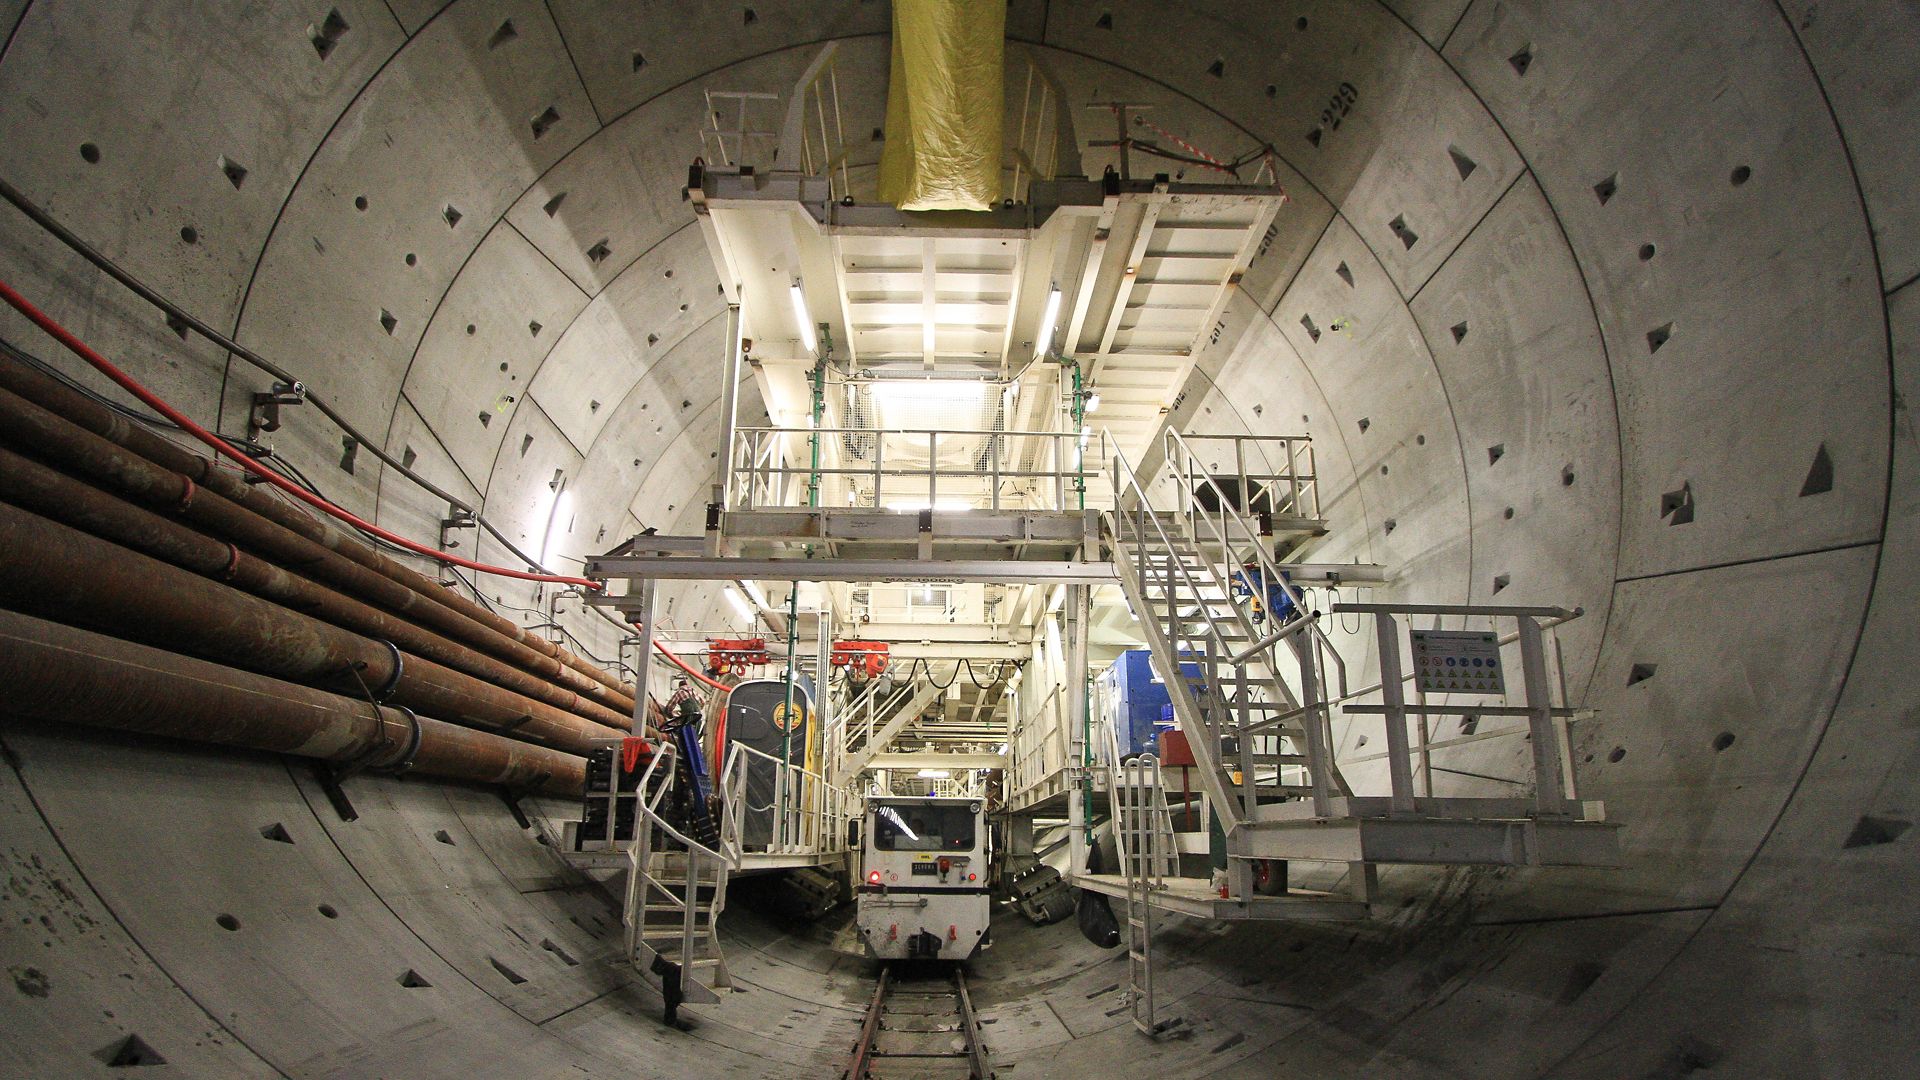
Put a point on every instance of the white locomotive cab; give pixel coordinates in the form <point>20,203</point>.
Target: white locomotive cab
<point>923,892</point>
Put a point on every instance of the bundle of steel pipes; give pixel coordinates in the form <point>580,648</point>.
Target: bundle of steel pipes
<point>147,589</point>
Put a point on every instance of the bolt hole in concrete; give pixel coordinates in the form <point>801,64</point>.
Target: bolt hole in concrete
<point>89,153</point>
<point>411,980</point>
<point>441,835</point>
<point>1646,252</point>
<point>1604,189</point>
<point>1507,513</point>
<point>470,329</point>
<point>1407,236</point>
<point>360,202</point>
<point>639,61</point>
<point>1383,470</point>
<point>328,34</point>
<point>189,235</point>
<point>1722,741</point>
<point>1566,476</point>
<point>1741,175</point>
<point>227,922</point>
<point>1618,755</point>
<point>508,973</point>
<point>328,911</point>
<point>276,832</point>
<point>412,258</point>
<point>130,1052</point>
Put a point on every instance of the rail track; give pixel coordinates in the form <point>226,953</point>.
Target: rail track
<point>913,1031</point>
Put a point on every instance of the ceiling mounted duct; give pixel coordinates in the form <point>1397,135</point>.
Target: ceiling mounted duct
<point>944,105</point>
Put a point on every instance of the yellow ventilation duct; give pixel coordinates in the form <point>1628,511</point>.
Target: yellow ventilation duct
<point>945,104</point>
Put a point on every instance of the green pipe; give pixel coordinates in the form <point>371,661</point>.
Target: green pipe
<point>819,385</point>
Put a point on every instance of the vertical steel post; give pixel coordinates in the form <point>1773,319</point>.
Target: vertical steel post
<point>1393,696</point>
<point>642,617</point>
<point>729,403</point>
<point>1078,726</point>
<point>1549,786</point>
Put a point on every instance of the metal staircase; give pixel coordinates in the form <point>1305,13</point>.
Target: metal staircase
<point>1258,681</point>
<point>676,890</point>
<point>861,741</point>
<point>1250,689</point>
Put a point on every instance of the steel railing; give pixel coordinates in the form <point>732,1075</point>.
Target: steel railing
<point>912,469</point>
<point>807,815</point>
<point>1280,481</point>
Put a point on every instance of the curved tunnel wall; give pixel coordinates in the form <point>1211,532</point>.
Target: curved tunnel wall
<point>1627,322</point>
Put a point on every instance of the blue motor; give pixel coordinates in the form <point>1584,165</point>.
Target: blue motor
<point>1274,598</point>
<point>1134,700</point>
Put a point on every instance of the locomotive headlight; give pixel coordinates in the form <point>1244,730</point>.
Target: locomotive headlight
<point>973,808</point>
<point>873,878</point>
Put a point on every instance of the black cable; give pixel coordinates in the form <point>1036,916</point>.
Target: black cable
<point>139,288</point>
<point>15,352</point>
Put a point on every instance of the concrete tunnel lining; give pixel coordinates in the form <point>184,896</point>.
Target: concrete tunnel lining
<point>1763,924</point>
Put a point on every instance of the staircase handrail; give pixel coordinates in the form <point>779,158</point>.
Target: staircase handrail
<point>649,807</point>
<point>1269,569</point>
<point>1144,510</point>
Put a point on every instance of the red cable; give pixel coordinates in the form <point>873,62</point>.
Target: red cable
<point>151,400</point>
<point>682,665</point>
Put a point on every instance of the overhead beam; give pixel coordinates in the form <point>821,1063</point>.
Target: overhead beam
<point>933,759</point>
<point>1001,572</point>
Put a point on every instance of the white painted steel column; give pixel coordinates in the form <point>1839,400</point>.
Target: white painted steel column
<point>1549,788</point>
<point>729,404</point>
<point>1393,696</point>
<point>1076,680</point>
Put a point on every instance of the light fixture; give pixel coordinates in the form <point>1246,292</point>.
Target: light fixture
<point>1048,318</point>
<point>1002,750</point>
<point>753,593</point>
<point>739,603</point>
<point>1093,401</point>
<point>562,511</point>
<point>933,774</point>
<point>800,313</point>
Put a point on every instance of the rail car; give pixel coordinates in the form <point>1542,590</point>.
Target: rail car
<point>923,892</point>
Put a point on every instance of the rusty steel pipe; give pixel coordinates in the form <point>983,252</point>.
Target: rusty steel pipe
<point>53,571</point>
<point>54,495</point>
<point>67,675</point>
<point>50,394</point>
<point>41,432</point>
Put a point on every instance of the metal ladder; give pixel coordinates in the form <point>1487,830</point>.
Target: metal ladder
<point>1144,841</point>
<point>1250,695</point>
<point>676,890</point>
